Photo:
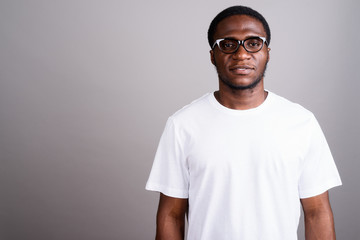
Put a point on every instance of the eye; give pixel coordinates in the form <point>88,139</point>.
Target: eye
<point>228,44</point>
<point>254,43</point>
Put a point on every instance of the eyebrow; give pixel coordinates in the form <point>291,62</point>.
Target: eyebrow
<point>247,37</point>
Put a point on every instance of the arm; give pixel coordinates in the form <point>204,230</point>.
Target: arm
<point>170,219</point>
<point>319,221</point>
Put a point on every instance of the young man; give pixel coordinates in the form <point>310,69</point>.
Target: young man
<point>240,160</point>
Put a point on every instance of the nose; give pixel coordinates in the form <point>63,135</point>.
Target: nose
<point>241,53</point>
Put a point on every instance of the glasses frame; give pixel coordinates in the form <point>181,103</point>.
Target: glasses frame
<point>240,42</point>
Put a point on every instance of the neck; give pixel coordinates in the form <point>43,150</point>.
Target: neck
<point>241,99</point>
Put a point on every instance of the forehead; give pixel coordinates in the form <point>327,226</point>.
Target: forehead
<point>239,26</point>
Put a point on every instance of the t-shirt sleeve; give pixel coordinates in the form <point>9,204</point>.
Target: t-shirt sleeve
<point>319,172</point>
<point>169,174</point>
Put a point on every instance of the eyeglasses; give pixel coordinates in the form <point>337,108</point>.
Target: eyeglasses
<point>251,44</point>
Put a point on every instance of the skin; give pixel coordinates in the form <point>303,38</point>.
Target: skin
<point>170,219</point>
<point>241,86</point>
<point>240,27</point>
<point>319,220</point>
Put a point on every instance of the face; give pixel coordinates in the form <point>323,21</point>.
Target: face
<point>240,70</point>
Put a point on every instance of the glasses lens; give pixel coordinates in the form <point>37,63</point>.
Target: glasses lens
<point>228,45</point>
<point>253,44</point>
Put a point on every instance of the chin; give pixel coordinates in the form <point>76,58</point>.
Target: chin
<point>243,85</point>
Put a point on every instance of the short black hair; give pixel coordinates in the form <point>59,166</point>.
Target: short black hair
<point>237,10</point>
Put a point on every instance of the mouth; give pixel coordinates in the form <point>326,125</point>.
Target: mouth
<point>241,69</point>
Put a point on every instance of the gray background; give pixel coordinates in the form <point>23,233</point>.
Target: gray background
<point>86,88</point>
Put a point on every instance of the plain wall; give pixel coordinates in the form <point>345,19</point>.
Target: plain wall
<point>87,86</point>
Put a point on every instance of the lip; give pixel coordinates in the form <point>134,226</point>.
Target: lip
<point>241,69</point>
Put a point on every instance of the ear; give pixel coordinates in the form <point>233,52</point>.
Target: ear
<point>268,57</point>
<point>212,57</point>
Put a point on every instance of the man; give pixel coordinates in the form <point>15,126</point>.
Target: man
<point>238,160</point>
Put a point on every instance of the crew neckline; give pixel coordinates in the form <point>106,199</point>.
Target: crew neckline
<point>227,110</point>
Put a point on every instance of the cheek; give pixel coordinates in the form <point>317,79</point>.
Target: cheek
<point>222,61</point>
<point>262,60</point>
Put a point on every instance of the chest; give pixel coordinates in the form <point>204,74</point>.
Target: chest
<point>245,147</point>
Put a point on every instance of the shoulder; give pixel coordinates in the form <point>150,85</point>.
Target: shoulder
<point>284,106</point>
<point>287,113</point>
<point>196,108</point>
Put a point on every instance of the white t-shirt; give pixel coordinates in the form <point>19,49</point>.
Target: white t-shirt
<point>243,171</point>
